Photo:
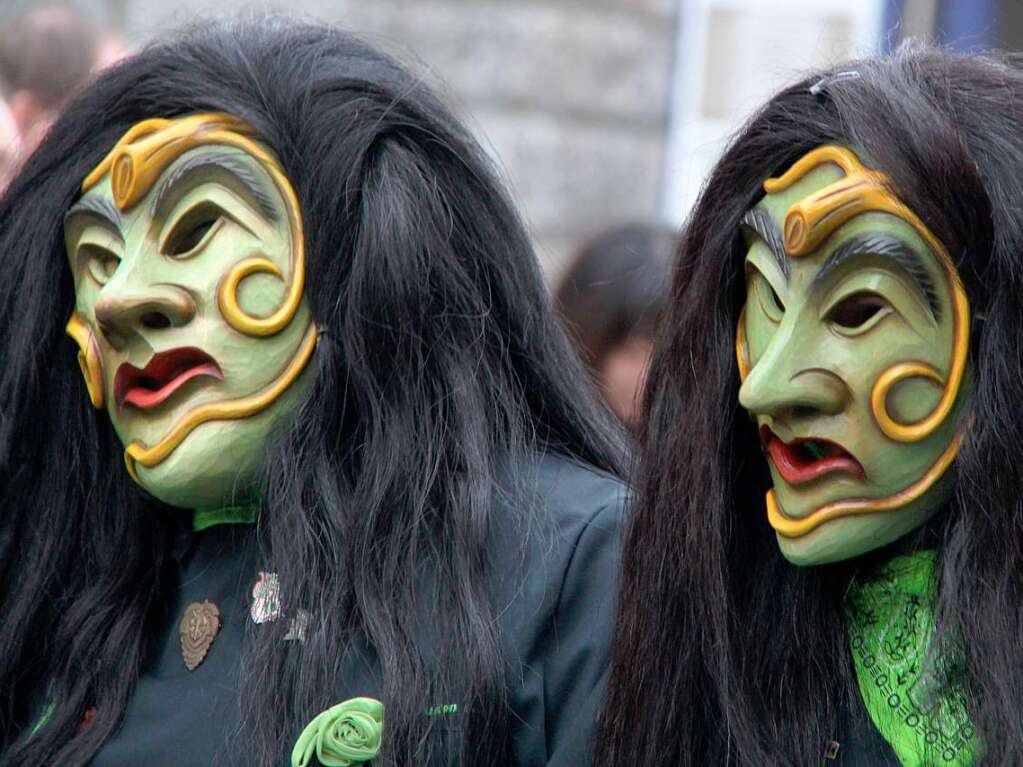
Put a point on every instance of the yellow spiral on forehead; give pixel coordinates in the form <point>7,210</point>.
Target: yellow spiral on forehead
<point>142,155</point>
<point>811,220</point>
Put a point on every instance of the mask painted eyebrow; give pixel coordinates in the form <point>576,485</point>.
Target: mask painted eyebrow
<point>230,164</point>
<point>760,222</point>
<point>886,247</point>
<point>101,208</point>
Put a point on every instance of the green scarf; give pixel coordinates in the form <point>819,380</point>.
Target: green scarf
<point>906,690</point>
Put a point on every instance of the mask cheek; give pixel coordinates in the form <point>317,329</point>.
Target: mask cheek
<point>89,359</point>
<point>913,399</point>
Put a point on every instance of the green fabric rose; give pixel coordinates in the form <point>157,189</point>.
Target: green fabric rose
<point>344,735</point>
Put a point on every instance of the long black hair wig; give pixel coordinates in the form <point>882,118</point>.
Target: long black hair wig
<point>725,653</point>
<point>438,363</point>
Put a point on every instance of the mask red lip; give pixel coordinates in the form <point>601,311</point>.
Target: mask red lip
<point>806,458</point>
<point>163,375</point>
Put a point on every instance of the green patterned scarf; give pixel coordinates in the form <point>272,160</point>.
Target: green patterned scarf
<point>890,622</point>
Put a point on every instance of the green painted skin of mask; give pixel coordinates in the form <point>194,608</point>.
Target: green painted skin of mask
<point>151,273</point>
<point>909,688</point>
<point>817,340</point>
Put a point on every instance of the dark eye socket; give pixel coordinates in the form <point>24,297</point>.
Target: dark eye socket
<point>100,261</point>
<point>190,231</point>
<point>768,296</point>
<point>857,309</point>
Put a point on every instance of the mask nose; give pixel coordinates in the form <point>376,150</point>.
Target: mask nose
<point>792,381</point>
<point>126,311</point>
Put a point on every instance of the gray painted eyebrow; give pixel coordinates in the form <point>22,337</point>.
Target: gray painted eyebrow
<point>226,162</point>
<point>760,221</point>
<point>100,207</point>
<point>888,247</point>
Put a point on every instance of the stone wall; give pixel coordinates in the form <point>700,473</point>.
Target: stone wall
<point>571,96</point>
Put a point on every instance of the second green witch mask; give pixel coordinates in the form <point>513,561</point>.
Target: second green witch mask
<point>186,248</point>
<point>852,346</point>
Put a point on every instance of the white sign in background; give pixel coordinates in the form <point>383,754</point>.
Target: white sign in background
<point>731,56</point>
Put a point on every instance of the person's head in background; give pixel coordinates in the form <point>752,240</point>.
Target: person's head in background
<point>611,299</point>
<point>46,56</point>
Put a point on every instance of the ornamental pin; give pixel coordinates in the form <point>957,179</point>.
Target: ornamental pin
<point>199,627</point>
<point>266,606</point>
<point>266,598</point>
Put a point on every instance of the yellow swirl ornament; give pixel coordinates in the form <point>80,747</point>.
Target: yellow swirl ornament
<point>88,357</point>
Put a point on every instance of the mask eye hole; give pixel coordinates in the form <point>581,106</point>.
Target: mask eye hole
<point>855,312</point>
<point>192,232</point>
<point>768,297</point>
<point>100,262</point>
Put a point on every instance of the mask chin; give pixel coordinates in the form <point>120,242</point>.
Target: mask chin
<point>198,475</point>
<point>849,537</point>
<point>219,462</point>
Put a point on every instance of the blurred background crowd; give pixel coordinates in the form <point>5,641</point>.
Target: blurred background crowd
<point>605,115</point>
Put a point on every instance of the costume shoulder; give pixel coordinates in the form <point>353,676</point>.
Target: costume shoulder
<point>561,493</point>
<point>556,567</point>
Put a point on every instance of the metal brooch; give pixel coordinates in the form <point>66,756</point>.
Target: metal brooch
<point>199,627</point>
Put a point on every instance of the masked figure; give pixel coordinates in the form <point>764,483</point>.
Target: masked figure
<point>826,535</point>
<point>323,486</point>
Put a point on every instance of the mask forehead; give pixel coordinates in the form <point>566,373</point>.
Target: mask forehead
<point>888,390</point>
<point>879,238</point>
<point>781,201</point>
<point>219,177</point>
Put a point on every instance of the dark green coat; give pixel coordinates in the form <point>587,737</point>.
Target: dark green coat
<point>552,590</point>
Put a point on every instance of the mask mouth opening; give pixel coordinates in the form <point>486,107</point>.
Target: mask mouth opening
<point>163,375</point>
<point>805,459</point>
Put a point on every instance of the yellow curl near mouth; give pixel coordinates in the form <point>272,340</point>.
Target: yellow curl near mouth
<point>796,528</point>
<point>89,359</point>
<point>243,407</point>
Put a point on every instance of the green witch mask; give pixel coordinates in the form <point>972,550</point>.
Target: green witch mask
<point>852,348</point>
<point>186,248</point>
